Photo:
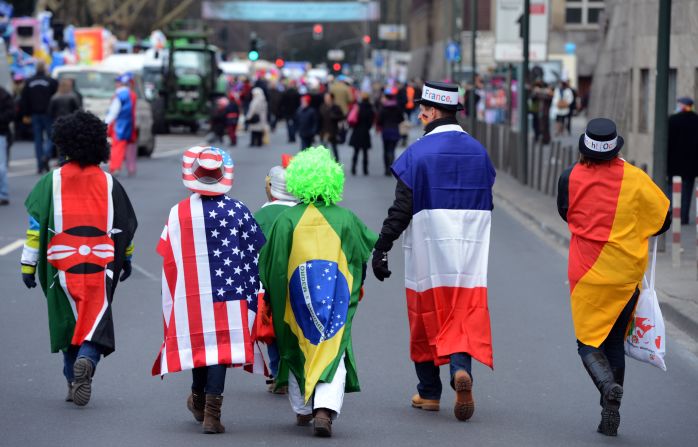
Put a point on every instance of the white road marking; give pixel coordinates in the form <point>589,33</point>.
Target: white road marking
<point>12,246</point>
<point>145,272</point>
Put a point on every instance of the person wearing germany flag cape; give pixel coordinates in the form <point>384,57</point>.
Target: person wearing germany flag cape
<point>443,203</point>
<point>210,249</point>
<point>313,266</point>
<point>81,227</point>
<point>612,208</point>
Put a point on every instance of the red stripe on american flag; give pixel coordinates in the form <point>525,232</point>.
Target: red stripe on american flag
<point>249,348</point>
<point>170,272</point>
<point>191,282</point>
<point>220,312</point>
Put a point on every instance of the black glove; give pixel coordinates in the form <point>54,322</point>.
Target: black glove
<point>125,271</point>
<point>380,265</point>
<point>29,280</point>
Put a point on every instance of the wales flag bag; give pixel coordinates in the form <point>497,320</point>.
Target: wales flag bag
<point>646,338</point>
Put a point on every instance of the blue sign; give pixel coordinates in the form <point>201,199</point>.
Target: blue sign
<point>452,52</point>
<point>277,11</point>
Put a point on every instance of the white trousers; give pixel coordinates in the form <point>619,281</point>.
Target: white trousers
<point>327,395</point>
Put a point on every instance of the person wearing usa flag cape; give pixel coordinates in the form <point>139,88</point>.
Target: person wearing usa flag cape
<point>210,249</point>
<point>612,209</point>
<point>443,203</point>
<point>313,266</point>
<point>79,241</point>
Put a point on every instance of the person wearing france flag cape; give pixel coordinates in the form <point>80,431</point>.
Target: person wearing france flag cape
<point>443,203</point>
<point>612,208</point>
<point>210,248</point>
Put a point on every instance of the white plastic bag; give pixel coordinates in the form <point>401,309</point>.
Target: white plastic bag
<point>646,338</point>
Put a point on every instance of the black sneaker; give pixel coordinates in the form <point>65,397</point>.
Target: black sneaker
<point>4,202</point>
<point>82,386</point>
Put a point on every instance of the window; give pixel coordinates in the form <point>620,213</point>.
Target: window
<point>583,12</point>
<point>643,125</point>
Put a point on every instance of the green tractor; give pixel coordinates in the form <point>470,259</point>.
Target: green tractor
<point>189,83</point>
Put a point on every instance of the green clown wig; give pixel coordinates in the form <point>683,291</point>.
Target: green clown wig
<point>313,175</point>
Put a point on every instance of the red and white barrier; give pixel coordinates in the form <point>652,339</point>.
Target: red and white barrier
<point>676,221</point>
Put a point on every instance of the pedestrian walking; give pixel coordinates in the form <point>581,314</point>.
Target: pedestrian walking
<point>562,101</point>
<point>218,121</point>
<point>608,254</point>
<point>256,117</point>
<point>443,178</point>
<point>36,95</point>
<point>342,93</point>
<point>390,116</point>
<point>209,247</point>
<point>7,114</point>
<point>360,138</point>
<point>276,90</point>
<point>278,201</point>
<point>312,268</point>
<point>683,152</point>
<point>121,119</point>
<point>232,116</point>
<point>330,116</point>
<point>290,102</point>
<point>81,227</point>
<point>64,102</point>
<point>307,122</point>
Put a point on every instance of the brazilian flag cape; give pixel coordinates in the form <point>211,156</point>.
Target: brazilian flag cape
<point>312,266</point>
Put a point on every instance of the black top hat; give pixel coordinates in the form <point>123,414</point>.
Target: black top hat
<point>600,140</point>
<point>441,95</point>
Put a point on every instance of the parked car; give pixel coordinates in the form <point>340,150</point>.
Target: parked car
<point>96,85</point>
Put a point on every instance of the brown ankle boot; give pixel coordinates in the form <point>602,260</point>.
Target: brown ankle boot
<point>196,403</point>
<point>322,423</point>
<point>465,404</point>
<point>212,414</point>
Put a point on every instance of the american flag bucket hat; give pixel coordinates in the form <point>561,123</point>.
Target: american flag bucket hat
<point>207,170</point>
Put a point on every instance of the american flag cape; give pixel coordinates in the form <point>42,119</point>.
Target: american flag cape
<point>447,245</point>
<point>210,248</point>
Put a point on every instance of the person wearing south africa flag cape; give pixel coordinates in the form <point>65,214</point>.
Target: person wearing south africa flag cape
<point>312,268</point>
<point>210,250</point>
<point>81,227</point>
<point>612,208</point>
<point>443,203</point>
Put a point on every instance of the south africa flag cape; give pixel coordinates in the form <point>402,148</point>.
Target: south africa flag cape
<point>312,268</point>
<point>614,208</point>
<point>86,223</point>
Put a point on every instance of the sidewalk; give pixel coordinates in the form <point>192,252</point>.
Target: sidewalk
<point>677,287</point>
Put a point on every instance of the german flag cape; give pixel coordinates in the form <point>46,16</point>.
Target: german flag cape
<point>312,268</point>
<point>613,210</point>
<point>86,223</point>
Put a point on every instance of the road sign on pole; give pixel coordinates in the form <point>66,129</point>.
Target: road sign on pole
<point>335,55</point>
<point>452,52</point>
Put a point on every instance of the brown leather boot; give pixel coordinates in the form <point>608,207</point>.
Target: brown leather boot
<point>322,423</point>
<point>196,403</point>
<point>425,404</point>
<point>465,405</point>
<point>212,414</point>
<point>303,420</point>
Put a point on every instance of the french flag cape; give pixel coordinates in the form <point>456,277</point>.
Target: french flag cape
<point>210,249</point>
<point>447,245</point>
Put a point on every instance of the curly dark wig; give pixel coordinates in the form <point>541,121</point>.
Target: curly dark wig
<point>81,137</point>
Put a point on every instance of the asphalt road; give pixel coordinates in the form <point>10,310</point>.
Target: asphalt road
<point>538,394</point>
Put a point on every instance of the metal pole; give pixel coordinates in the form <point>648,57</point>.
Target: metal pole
<point>523,97</point>
<point>661,105</point>
<point>473,63</point>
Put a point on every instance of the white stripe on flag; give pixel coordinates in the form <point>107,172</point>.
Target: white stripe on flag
<point>208,318</point>
<point>237,339</point>
<point>447,248</point>
<point>180,300</point>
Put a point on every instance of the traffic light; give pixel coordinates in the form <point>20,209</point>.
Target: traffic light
<point>337,66</point>
<point>253,54</point>
<point>366,39</point>
<point>279,62</point>
<point>317,31</point>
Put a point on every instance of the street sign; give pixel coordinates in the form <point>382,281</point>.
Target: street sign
<point>392,32</point>
<point>452,52</point>
<point>508,46</point>
<point>335,55</point>
<point>285,11</point>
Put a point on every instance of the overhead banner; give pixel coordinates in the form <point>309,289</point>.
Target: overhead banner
<point>508,43</point>
<point>276,11</point>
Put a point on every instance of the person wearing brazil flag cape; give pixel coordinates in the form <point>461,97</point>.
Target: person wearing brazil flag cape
<point>81,227</point>
<point>312,268</point>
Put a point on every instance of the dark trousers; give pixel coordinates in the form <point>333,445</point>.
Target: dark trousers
<point>332,142</point>
<point>429,386</point>
<point>256,138</point>
<point>209,379</point>
<point>232,134</point>
<point>41,126</point>
<point>687,193</point>
<point>306,142</point>
<point>355,159</point>
<point>389,154</point>
<point>613,346</point>
<point>291,128</point>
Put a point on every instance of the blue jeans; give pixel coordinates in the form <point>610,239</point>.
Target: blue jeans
<point>429,386</point>
<point>613,346</point>
<point>209,379</point>
<point>273,352</point>
<point>41,123</point>
<point>86,350</point>
<point>4,194</point>
<point>291,128</point>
